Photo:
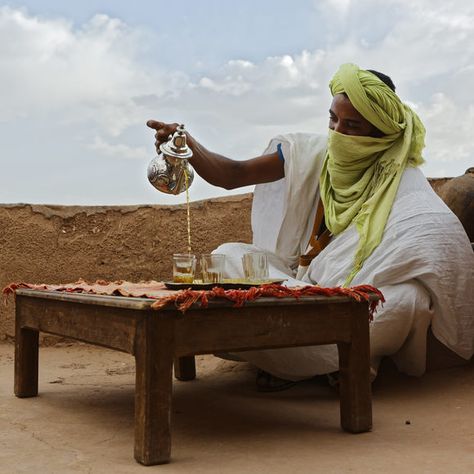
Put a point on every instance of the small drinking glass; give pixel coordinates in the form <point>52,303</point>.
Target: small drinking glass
<point>184,267</point>
<point>212,267</point>
<point>255,266</point>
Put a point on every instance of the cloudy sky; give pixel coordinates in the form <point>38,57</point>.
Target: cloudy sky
<point>78,80</point>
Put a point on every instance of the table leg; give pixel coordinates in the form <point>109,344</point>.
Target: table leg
<point>26,359</point>
<point>185,368</point>
<point>354,378</point>
<point>153,390</point>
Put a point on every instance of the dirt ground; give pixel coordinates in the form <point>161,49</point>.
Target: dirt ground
<point>82,421</point>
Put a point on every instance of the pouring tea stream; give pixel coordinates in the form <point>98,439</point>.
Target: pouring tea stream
<point>170,172</point>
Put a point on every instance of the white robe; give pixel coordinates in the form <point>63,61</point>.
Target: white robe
<point>423,266</point>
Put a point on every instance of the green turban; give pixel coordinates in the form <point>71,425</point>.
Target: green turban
<point>361,174</point>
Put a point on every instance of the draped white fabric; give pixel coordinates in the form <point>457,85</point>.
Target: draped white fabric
<point>282,213</point>
<point>424,265</point>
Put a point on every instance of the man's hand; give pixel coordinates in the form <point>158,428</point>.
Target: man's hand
<point>163,131</point>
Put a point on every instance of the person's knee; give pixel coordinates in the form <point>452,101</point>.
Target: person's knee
<point>394,321</point>
<point>399,299</point>
<point>228,247</point>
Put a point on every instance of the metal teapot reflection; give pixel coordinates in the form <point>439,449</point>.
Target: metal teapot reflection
<point>167,171</point>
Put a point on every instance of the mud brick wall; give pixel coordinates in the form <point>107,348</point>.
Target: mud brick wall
<point>58,244</point>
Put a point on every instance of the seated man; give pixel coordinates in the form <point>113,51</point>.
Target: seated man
<point>353,208</point>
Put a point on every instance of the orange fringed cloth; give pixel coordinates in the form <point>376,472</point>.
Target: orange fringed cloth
<point>184,299</point>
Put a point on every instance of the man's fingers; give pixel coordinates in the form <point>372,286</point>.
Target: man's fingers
<point>155,124</point>
<point>162,134</point>
<point>162,128</point>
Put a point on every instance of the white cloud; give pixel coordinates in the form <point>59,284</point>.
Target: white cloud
<point>119,150</point>
<point>341,5</point>
<point>449,135</point>
<point>48,66</point>
<point>95,78</point>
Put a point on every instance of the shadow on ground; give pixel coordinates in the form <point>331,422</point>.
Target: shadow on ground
<point>83,421</point>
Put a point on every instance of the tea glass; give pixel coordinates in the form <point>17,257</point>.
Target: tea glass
<point>212,267</point>
<point>184,267</point>
<point>255,266</point>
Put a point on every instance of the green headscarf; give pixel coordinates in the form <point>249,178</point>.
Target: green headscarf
<point>360,175</point>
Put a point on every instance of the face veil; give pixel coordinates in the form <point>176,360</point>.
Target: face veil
<point>361,174</point>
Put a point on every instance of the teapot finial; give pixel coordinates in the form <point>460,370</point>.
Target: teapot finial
<point>176,146</point>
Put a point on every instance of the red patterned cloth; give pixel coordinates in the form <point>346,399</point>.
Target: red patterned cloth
<point>184,299</point>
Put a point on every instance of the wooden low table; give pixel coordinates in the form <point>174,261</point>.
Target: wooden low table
<point>158,339</point>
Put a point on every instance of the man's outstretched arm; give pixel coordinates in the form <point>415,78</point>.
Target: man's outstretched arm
<point>219,170</point>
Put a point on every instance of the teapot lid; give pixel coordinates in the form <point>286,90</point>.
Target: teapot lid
<point>176,146</point>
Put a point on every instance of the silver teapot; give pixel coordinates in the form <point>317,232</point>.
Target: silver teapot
<point>167,173</point>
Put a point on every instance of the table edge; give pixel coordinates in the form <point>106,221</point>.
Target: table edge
<point>139,303</point>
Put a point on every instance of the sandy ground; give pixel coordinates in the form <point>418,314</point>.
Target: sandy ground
<point>83,421</point>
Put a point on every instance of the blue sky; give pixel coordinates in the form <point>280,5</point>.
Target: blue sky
<point>211,31</point>
<point>78,80</point>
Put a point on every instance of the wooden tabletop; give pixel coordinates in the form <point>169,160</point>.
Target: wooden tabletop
<point>137,303</point>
